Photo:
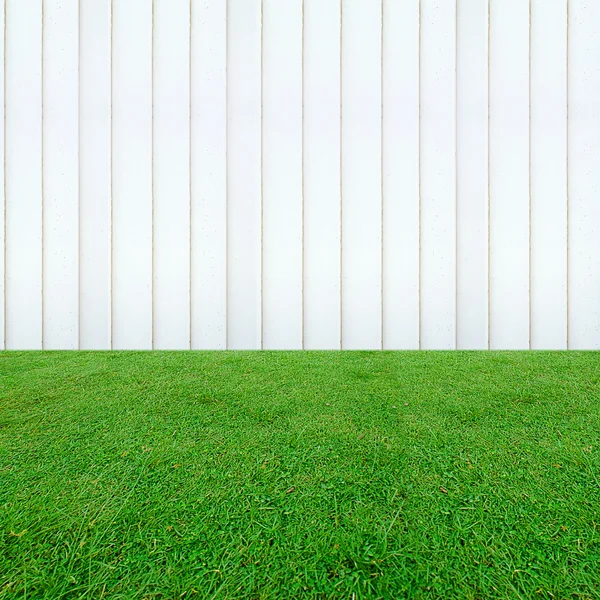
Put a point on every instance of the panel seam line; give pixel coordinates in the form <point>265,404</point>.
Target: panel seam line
<point>529,178</point>
<point>152,179</point>
<point>5,203</point>
<point>262,318</point>
<point>567,305</point>
<point>302,308</point>
<point>489,202</point>
<point>456,202</point>
<point>419,284</point>
<point>190,233</point>
<point>382,174</point>
<point>42,176</point>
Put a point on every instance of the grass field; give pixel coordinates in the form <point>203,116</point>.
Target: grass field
<point>300,474</point>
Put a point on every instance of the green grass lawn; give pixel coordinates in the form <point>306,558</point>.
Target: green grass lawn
<point>300,474</point>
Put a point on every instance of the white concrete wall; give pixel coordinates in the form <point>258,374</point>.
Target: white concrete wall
<point>288,174</point>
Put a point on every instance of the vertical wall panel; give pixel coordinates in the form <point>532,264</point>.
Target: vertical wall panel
<point>509,174</point>
<point>282,174</point>
<point>61,175</point>
<point>321,175</point>
<point>171,163</point>
<point>584,175</point>
<point>23,145</point>
<point>132,174</point>
<point>400,174</point>
<point>548,174</point>
<point>244,174</point>
<point>472,175</point>
<point>94,174</point>
<point>361,174</point>
<point>438,175</point>
<point>2,196</point>
<point>209,174</point>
